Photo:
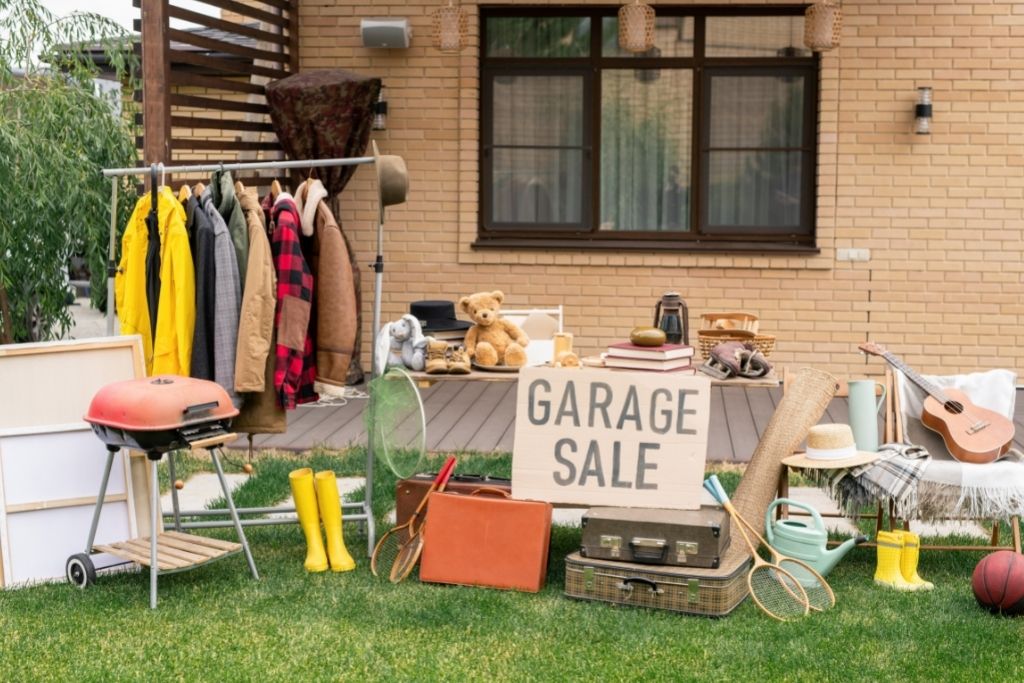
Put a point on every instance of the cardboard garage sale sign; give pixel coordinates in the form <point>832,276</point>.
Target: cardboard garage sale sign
<point>598,437</point>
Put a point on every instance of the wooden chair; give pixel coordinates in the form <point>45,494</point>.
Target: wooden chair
<point>895,417</point>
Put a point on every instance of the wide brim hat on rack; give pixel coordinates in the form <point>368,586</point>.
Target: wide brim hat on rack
<point>392,179</point>
<point>437,316</point>
<point>830,447</point>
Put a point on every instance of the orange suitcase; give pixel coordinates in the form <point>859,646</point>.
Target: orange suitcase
<point>486,539</point>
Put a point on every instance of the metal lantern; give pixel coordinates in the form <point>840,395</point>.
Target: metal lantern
<point>636,27</point>
<point>450,28</point>
<point>823,24</point>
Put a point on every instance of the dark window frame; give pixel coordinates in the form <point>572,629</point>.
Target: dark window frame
<point>587,234</point>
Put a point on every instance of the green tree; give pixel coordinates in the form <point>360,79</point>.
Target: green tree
<point>56,133</point>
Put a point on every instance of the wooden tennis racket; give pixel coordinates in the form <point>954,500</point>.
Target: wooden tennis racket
<point>819,594</point>
<point>775,591</point>
<point>412,547</point>
<point>386,552</point>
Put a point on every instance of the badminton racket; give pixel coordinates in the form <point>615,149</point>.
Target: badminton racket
<point>819,594</point>
<point>386,552</point>
<point>775,591</point>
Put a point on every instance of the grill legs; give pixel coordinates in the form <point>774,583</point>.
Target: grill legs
<point>234,514</point>
<point>155,527</point>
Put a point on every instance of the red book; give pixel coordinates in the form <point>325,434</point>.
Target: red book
<point>663,352</point>
<point>674,365</point>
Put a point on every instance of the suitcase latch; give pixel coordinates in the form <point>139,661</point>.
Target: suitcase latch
<point>612,543</point>
<point>588,578</point>
<point>693,590</point>
<point>648,549</point>
<point>685,548</point>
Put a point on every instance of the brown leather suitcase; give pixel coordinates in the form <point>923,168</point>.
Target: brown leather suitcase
<point>409,492</point>
<point>687,538</point>
<point>690,590</point>
<point>486,540</point>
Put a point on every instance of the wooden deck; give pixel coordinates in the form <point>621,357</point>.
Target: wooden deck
<point>480,416</point>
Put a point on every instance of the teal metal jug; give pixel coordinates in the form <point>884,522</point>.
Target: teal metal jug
<point>802,541</point>
<point>864,413</point>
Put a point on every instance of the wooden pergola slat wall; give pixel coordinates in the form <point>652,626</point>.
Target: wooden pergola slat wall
<point>203,88</point>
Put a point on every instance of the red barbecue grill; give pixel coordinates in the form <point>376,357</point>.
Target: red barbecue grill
<point>160,415</point>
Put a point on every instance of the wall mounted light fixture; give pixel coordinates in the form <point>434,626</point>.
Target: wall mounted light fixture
<point>923,111</point>
<point>636,27</point>
<point>823,26</point>
<point>451,26</point>
<point>380,112</point>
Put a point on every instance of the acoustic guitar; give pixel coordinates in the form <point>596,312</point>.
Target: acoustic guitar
<point>972,434</point>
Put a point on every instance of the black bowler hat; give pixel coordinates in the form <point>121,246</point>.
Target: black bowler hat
<point>437,316</point>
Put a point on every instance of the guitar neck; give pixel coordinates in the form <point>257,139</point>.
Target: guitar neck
<point>914,376</point>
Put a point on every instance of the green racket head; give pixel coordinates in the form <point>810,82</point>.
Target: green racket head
<point>395,422</point>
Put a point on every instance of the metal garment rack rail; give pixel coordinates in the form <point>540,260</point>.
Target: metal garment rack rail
<point>156,172</point>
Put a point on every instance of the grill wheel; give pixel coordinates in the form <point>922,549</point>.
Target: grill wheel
<point>80,571</point>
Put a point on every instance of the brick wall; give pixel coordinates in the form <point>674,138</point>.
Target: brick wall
<point>941,214</point>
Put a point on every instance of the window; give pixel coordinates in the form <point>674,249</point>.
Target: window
<point>706,141</point>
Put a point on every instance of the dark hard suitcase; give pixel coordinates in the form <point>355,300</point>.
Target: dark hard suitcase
<point>687,538</point>
<point>409,492</point>
<point>689,590</point>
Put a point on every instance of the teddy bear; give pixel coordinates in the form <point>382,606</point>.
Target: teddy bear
<point>402,344</point>
<point>492,340</point>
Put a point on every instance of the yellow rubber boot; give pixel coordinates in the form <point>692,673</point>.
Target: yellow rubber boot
<point>890,550</point>
<point>330,512</point>
<point>304,494</point>
<point>908,561</point>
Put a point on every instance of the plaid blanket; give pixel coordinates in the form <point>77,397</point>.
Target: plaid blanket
<point>894,476</point>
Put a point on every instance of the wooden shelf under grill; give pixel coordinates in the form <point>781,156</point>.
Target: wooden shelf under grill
<point>175,551</point>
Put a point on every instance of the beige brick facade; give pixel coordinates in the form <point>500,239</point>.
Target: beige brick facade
<point>941,214</point>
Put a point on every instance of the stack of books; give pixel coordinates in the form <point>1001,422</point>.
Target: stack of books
<point>453,337</point>
<point>664,358</point>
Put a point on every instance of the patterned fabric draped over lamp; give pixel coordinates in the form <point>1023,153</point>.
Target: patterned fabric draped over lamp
<point>451,25</point>
<point>324,114</point>
<point>823,24</point>
<point>636,27</point>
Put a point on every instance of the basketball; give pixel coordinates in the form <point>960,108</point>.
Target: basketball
<point>998,582</point>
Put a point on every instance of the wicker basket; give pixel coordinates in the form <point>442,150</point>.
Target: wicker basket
<point>765,343</point>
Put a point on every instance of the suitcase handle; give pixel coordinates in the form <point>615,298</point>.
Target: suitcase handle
<point>627,584</point>
<point>490,491</point>
<point>648,549</point>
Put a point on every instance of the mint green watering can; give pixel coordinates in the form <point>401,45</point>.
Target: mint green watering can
<point>802,541</point>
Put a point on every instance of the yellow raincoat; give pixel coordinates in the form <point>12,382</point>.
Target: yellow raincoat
<point>176,317</point>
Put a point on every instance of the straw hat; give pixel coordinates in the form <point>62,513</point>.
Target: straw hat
<point>392,178</point>
<point>830,446</point>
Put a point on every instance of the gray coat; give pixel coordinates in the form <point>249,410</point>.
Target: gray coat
<point>229,300</point>
<point>223,188</point>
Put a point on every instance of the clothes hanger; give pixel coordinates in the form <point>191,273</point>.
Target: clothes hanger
<point>198,189</point>
<point>275,189</point>
<point>184,193</point>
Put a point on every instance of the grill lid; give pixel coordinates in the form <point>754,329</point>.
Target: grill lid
<point>159,403</point>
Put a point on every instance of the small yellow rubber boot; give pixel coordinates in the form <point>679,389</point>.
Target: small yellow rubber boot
<point>330,512</point>
<point>304,494</point>
<point>890,551</point>
<point>908,561</point>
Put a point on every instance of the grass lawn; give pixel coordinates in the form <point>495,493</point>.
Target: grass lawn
<point>216,624</point>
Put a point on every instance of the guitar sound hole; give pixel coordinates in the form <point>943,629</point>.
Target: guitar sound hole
<point>954,407</point>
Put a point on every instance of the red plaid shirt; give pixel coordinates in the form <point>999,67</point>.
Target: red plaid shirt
<point>295,367</point>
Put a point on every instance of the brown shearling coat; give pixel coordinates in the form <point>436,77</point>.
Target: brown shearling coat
<point>334,295</point>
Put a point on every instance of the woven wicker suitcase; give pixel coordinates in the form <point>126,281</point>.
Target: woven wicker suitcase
<point>686,538</point>
<point>689,590</point>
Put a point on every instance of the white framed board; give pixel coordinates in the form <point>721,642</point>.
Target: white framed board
<point>51,463</point>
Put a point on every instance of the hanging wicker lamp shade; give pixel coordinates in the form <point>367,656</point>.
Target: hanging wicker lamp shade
<point>823,24</point>
<point>636,27</point>
<point>450,28</point>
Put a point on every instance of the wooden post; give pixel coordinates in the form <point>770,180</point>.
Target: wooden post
<point>156,71</point>
<point>293,37</point>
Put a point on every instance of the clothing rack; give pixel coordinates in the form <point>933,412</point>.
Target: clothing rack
<point>364,509</point>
